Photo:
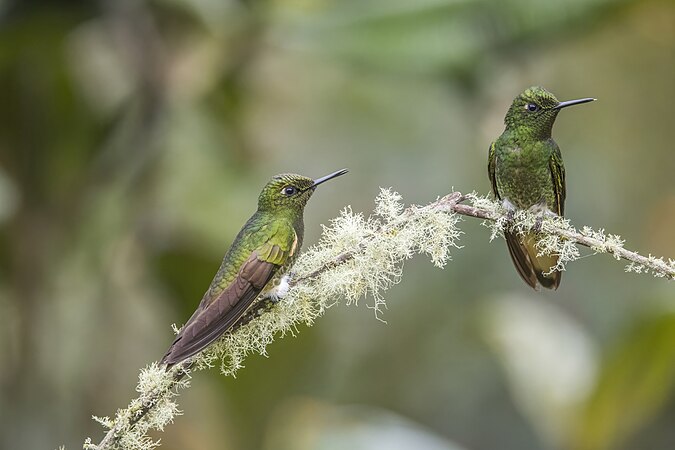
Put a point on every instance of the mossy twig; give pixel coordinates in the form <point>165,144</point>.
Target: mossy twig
<point>356,257</point>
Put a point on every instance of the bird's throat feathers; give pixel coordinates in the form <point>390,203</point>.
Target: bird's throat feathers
<point>533,129</point>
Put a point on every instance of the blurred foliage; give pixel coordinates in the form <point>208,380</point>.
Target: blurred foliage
<point>135,136</point>
<point>301,424</point>
<point>636,380</point>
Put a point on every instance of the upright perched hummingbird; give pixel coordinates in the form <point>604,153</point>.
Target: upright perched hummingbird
<point>526,170</point>
<point>255,264</point>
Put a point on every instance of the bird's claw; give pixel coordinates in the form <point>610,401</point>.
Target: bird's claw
<point>538,224</point>
<point>510,211</point>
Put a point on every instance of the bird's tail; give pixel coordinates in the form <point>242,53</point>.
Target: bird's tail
<point>532,269</point>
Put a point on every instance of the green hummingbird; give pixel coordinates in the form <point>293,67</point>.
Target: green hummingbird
<point>256,264</point>
<point>526,170</point>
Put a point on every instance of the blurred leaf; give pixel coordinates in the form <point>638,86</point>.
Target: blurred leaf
<point>635,381</point>
<point>549,360</point>
<point>305,424</point>
<point>446,36</point>
<point>9,197</point>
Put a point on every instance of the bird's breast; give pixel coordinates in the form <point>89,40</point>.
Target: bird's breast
<point>523,176</point>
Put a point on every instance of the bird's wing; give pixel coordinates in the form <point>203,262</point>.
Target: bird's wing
<point>214,319</point>
<point>491,169</point>
<point>557,167</point>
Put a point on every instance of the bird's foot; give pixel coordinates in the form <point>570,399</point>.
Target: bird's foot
<point>510,211</point>
<point>542,211</point>
<point>538,224</point>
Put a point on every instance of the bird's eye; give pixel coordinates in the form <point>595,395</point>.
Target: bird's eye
<point>532,107</point>
<point>289,190</point>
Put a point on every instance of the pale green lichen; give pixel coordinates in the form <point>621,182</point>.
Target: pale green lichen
<point>558,237</point>
<point>654,261</point>
<point>376,247</point>
<point>154,408</point>
<point>370,252</point>
<point>494,209</point>
<point>357,257</point>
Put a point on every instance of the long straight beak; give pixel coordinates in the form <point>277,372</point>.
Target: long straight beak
<point>573,102</point>
<point>318,181</point>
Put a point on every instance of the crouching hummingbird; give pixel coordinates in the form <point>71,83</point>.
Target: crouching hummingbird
<point>526,170</point>
<point>255,264</point>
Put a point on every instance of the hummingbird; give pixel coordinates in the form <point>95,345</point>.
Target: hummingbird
<point>256,264</point>
<point>526,170</point>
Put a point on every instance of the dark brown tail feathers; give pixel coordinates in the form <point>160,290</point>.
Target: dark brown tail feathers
<point>532,269</point>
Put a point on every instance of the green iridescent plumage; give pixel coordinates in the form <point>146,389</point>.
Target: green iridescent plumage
<point>255,264</point>
<point>526,170</point>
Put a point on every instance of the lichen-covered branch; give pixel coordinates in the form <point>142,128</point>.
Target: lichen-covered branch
<point>355,258</point>
<point>558,236</point>
<point>153,409</point>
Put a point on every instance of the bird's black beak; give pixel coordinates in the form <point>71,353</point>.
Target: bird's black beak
<point>318,181</point>
<point>573,102</point>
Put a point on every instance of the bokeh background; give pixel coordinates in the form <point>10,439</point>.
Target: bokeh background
<point>136,135</point>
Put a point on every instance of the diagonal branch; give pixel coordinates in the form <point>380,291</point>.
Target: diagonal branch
<point>369,263</point>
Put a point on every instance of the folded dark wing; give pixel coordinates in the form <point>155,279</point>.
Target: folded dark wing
<point>491,170</point>
<point>210,323</point>
<point>558,177</point>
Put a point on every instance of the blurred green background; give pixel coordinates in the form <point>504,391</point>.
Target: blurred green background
<point>136,135</point>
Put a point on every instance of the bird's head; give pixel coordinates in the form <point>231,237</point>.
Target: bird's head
<point>535,110</point>
<point>290,192</point>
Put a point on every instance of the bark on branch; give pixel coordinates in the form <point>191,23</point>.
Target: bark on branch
<point>398,228</point>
